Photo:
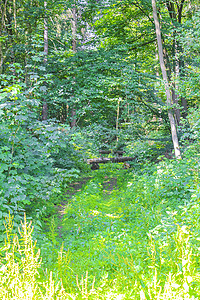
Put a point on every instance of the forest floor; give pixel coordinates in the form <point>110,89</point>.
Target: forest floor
<point>108,185</point>
<point>120,228</point>
<point>73,188</point>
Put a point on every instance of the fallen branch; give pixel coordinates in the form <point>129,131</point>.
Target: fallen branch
<point>104,160</point>
<point>116,152</point>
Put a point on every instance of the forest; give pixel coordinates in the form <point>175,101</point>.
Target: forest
<point>99,149</point>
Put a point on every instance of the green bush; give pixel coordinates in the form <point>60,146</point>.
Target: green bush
<point>37,159</point>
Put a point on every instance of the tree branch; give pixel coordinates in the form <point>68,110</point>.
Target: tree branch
<point>143,44</point>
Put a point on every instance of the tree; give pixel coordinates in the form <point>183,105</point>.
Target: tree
<point>44,105</point>
<point>165,80</point>
<point>74,33</point>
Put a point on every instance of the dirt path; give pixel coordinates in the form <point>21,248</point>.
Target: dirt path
<point>71,190</point>
<point>109,184</point>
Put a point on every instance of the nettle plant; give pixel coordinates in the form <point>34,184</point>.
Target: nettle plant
<point>31,170</point>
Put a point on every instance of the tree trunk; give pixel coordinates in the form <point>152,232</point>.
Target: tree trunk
<point>182,74</point>
<point>44,104</point>
<point>15,16</point>
<point>74,29</point>
<point>174,90</point>
<point>117,120</point>
<point>73,118</point>
<point>175,13</point>
<point>165,79</point>
<point>3,7</point>
<point>175,101</point>
<point>104,160</point>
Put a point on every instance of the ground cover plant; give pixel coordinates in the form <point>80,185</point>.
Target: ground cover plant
<point>123,237</point>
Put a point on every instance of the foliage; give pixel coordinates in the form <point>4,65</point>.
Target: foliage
<point>37,159</point>
<point>138,238</point>
<point>125,234</point>
<point>189,83</point>
<point>108,230</point>
<point>20,266</point>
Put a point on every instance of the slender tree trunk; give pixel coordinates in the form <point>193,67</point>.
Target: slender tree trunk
<point>117,120</point>
<point>15,16</point>
<point>45,33</point>
<point>2,25</point>
<point>44,104</point>
<point>73,117</point>
<point>182,74</point>
<point>74,29</point>
<point>174,90</point>
<point>175,13</point>
<point>175,101</point>
<point>165,79</point>
<point>1,58</point>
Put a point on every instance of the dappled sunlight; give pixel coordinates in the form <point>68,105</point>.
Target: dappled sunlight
<point>95,213</point>
<point>120,246</point>
<point>112,216</point>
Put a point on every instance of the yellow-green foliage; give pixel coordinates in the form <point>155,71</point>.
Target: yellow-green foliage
<point>21,266</point>
<point>125,237</point>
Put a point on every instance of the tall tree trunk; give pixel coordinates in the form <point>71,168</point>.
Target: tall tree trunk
<point>44,104</point>
<point>174,90</point>
<point>175,101</point>
<point>3,7</point>
<point>74,29</point>
<point>182,75</point>
<point>175,13</point>
<point>117,120</point>
<point>165,79</point>
<point>15,16</point>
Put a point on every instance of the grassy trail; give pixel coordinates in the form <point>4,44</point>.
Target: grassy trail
<point>123,235</point>
<point>124,230</point>
<point>73,188</point>
<point>108,184</point>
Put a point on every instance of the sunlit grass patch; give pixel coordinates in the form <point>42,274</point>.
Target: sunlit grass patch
<point>132,244</point>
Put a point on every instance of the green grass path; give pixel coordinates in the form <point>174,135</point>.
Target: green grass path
<point>124,230</point>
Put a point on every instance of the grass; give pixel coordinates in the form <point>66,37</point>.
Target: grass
<point>123,236</point>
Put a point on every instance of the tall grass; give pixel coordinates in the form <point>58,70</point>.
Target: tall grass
<point>136,240</point>
<point>21,266</point>
<point>171,272</point>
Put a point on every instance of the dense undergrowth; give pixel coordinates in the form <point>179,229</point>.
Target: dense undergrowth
<point>125,235</point>
<point>76,78</point>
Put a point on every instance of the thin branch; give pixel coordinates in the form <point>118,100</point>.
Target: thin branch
<point>143,44</point>
<point>142,10</point>
<point>180,11</point>
<point>3,14</point>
